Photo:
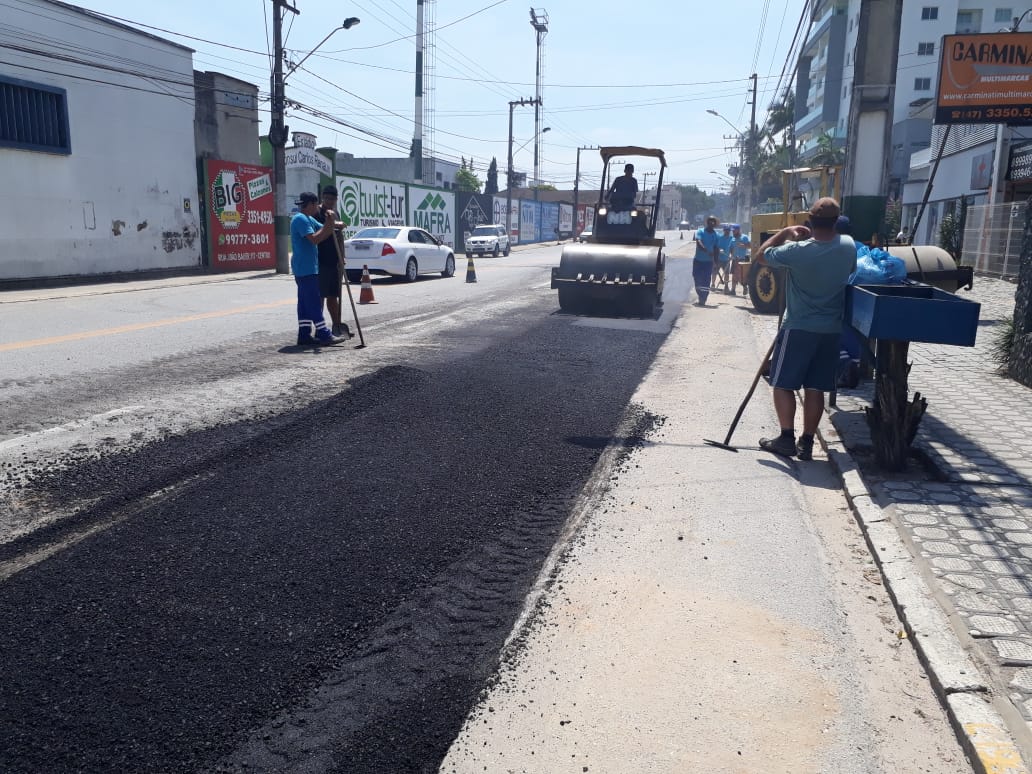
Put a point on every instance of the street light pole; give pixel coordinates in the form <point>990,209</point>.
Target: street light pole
<point>278,131</point>
<point>278,141</point>
<point>509,170</point>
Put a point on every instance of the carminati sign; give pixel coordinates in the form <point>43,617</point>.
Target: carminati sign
<point>985,79</point>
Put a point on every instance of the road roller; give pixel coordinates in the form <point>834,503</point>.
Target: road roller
<point>619,269</point>
<point>925,263</point>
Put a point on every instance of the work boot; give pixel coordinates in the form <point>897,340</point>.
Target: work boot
<point>328,339</point>
<point>783,446</point>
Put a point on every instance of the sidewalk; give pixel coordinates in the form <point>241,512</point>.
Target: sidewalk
<point>709,611</point>
<point>968,521</point>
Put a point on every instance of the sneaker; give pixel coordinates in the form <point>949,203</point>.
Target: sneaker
<point>783,447</point>
<point>804,449</point>
<point>328,340</point>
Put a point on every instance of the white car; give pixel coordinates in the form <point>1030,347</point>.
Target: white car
<point>401,251</point>
<point>488,239</point>
<point>584,235</point>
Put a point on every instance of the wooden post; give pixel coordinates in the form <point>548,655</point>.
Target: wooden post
<point>892,419</point>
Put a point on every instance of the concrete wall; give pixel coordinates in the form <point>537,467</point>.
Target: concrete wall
<point>125,197</point>
<point>226,118</point>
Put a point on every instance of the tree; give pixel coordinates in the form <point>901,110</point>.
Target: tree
<point>694,201</point>
<point>491,186</point>
<point>466,179</point>
<point>828,154</point>
<point>545,187</point>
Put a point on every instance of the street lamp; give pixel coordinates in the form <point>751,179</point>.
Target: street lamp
<point>278,130</point>
<point>349,22</point>
<point>744,161</point>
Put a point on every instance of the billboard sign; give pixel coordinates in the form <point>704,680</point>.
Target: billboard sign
<point>433,210</point>
<point>985,79</point>
<point>241,230</point>
<point>1020,168</point>
<point>368,203</point>
<point>565,218</point>
<point>528,222</point>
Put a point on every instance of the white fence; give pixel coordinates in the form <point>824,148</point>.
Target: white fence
<point>992,237</point>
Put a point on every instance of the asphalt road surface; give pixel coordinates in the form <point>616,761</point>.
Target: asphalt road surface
<point>222,553</point>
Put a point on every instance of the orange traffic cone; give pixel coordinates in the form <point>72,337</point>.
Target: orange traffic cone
<point>471,270</point>
<point>366,296</point>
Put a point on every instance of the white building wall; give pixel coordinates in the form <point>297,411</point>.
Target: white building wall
<point>915,30</point>
<point>125,198</point>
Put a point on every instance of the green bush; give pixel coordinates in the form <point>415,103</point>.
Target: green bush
<point>1002,348</point>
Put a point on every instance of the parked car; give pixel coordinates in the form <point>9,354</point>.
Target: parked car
<point>684,225</point>
<point>584,235</point>
<point>488,239</point>
<point>404,251</point>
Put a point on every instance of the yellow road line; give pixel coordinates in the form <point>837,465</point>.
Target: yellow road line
<point>138,326</point>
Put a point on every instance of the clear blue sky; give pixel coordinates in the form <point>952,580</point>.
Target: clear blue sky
<point>642,72</point>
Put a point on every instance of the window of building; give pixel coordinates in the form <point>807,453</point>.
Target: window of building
<point>922,84</point>
<point>33,117</point>
<point>969,22</point>
<point>930,12</point>
<point>1004,15</point>
<point>926,49</point>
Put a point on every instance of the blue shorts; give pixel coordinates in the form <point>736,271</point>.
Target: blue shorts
<point>804,359</point>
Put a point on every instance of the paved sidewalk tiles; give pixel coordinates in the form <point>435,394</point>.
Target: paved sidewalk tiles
<point>969,518</point>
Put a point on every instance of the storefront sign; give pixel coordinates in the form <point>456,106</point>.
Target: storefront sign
<point>308,158</point>
<point>1020,167</point>
<point>240,216</point>
<point>985,79</point>
<point>565,218</point>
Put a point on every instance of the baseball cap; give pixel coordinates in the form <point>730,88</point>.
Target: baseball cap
<point>825,208</point>
<point>306,198</point>
<point>727,227</point>
<point>843,226</point>
<point>329,190</point>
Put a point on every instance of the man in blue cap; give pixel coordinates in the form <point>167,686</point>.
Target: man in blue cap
<point>739,252</point>
<point>305,235</point>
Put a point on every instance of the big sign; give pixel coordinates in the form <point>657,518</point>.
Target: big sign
<point>985,79</point>
<point>240,216</point>
<point>433,210</point>
<point>368,203</point>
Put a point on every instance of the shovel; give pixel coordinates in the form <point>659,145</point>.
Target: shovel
<point>338,240</point>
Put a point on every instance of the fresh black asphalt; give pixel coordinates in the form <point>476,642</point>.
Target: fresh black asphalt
<point>323,590</point>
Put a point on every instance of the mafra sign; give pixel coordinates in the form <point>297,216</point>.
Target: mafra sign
<point>985,79</point>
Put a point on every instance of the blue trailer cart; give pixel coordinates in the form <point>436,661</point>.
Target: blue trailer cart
<point>890,317</point>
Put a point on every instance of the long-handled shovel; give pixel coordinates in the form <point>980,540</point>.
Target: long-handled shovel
<point>741,409</point>
<point>338,240</point>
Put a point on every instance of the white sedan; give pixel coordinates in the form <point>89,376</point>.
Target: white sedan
<point>400,251</point>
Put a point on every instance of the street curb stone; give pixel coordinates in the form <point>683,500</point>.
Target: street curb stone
<point>958,682</point>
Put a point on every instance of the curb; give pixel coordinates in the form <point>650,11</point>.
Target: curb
<point>964,694</point>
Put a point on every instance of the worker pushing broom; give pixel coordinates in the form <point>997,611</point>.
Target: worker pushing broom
<point>817,262</point>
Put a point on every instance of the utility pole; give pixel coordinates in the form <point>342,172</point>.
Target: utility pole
<point>866,172</point>
<point>509,170</point>
<point>278,140</point>
<point>539,21</point>
<point>576,184</point>
<point>749,155</point>
<point>417,137</point>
